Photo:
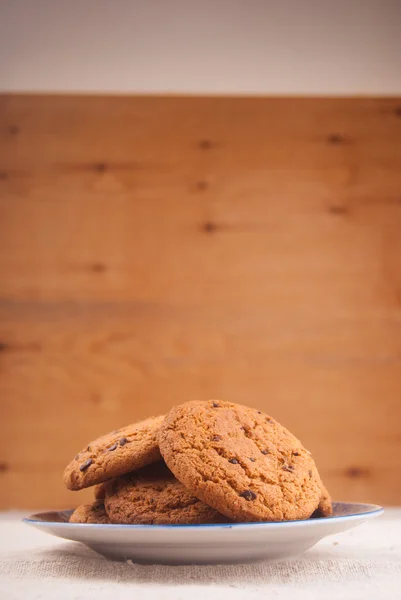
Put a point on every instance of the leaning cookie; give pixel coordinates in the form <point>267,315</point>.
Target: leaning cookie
<point>240,461</point>
<point>115,453</point>
<point>90,513</point>
<point>153,496</point>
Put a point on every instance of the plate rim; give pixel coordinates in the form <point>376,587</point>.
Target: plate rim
<point>375,510</point>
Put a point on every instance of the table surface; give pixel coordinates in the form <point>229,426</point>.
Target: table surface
<point>363,563</point>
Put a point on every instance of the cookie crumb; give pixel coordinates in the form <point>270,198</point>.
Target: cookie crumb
<point>109,459</point>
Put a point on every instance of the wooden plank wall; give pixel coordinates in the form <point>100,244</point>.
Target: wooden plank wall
<point>155,250</point>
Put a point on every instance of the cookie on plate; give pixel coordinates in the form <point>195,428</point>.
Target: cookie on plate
<point>153,496</point>
<point>240,461</point>
<point>115,453</point>
<point>90,513</point>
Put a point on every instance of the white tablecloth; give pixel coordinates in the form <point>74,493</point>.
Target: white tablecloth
<point>361,564</point>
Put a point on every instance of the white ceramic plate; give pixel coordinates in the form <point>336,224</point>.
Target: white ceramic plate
<point>185,544</point>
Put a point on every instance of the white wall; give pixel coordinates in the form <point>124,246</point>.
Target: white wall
<point>202,46</point>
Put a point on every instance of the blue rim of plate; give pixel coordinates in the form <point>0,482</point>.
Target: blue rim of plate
<point>371,509</point>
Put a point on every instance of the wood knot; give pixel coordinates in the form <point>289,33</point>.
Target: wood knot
<point>202,185</point>
<point>98,267</point>
<point>100,167</point>
<point>209,227</point>
<point>13,130</point>
<point>356,472</point>
<point>206,144</point>
<point>338,209</point>
<point>336,139</point>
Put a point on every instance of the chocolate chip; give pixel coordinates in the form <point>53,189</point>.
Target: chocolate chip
<point>295,453</point>
<point>233,461</point>
<point>215,405</point>
<point>86,464</point>
<point>252,459</point>
<point>310,473</point>
<point>259,412</point>
<point>113,447</point>
<point>248,495</point>
<point>88,449</point>
<point>216,438</point>
<point>289,468</point>
<point>77,457</point>
<point>123,441</point>
<point>265,451</point>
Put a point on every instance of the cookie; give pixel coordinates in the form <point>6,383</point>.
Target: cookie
<point>153,496</point>
<point>90,513</point>
<point>240,461</point>
<point>115,453</point>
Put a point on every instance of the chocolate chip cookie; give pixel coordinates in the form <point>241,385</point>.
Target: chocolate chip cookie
<point>115,453</point>
<point>154,496</point>
<point>240,461</point>
<point>90,513</point>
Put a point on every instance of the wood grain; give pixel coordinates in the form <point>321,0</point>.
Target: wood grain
<point>154,250</point>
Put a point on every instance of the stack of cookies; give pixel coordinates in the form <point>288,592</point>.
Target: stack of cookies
<point>204,462</point>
